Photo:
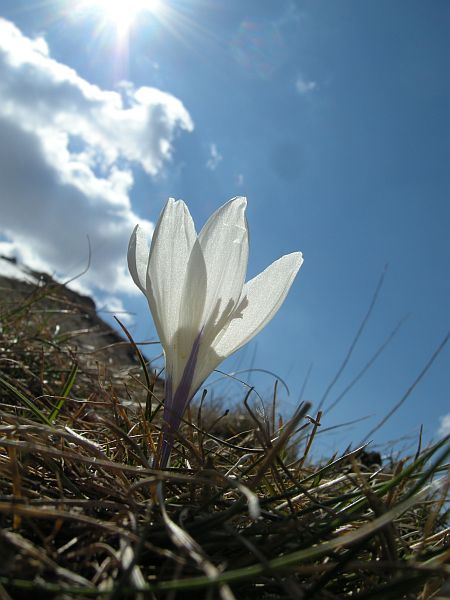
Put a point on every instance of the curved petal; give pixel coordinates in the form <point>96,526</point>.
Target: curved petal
<point>194,291</point>
<point>138,254</point>
<point>207,361</point>
<point>171,247</point>
<point>189,329</point>
<point>265,294</point>
<point>224,242</point>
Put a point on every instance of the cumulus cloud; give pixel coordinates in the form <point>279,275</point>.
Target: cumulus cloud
<point>214,158</point>
<point>303,86</point>
<point>444,428</point>
<point>66,150</point>
<point>114,305</point>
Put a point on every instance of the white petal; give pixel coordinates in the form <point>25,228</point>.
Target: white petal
<point>191,313</point>
<point>138,253</point>
<point>194,291</point>
<point>207,361</point>
<point>265,294</point>
<point>224,242</point>
<point>171,247</point>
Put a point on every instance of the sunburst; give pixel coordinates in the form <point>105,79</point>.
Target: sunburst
<point>121,13</point>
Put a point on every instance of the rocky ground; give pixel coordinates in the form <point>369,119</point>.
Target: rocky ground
<point>71,318</point>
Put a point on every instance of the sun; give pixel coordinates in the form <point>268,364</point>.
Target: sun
<point>122,13</point>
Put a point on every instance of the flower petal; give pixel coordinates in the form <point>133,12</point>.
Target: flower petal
<point>265,294</point>
<point>171,247</point>
<point>224,242</point>
<point>191,315</point>
<point>138,253</point>
<point>194,291</point>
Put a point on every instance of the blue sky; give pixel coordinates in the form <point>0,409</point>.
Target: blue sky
<point>331,117</point>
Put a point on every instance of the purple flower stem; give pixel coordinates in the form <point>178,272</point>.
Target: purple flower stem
<point>175,405</point>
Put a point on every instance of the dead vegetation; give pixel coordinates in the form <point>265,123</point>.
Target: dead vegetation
<point>243,513</point>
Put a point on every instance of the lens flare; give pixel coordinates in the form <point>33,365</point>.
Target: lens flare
<point>122,13</point>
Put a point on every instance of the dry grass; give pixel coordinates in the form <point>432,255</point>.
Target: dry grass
<point>243,513</point>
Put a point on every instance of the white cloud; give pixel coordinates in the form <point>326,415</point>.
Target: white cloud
<point>10,269</point>
<point>114,305</point>
<point>303,86</point>
<point>66,147</point>
<point>214,158</point>
<point>444,428</point>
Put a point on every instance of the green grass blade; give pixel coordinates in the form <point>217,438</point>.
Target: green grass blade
<point>64,393</point>
<point>25,401</point>
<point>148,409</point>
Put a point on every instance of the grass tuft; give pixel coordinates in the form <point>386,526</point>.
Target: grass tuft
<point>245,511</point>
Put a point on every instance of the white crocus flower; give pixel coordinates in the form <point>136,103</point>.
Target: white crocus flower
<point>202,308</point>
